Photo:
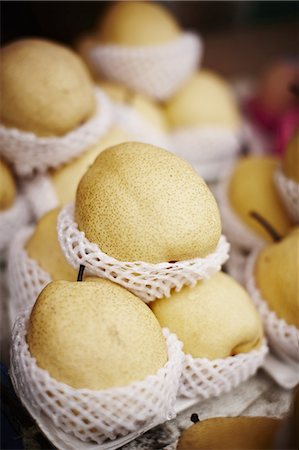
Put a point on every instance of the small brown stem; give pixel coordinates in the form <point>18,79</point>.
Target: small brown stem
<point>266,225</point>
<point>80,273</point>
<point>194,418</point>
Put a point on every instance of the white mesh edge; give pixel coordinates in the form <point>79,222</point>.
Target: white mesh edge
<point>157,71</point>
<point>29,153</point>
<point>288,190</point>
<point>147,281</point>
<point>12,219</point>
<point>237,231</point>
<point>25,278</point>
<point>96,415</point>
<point>41,195</point>
<point>134,124</point>
<point>211,150</point>
<point>204,378</point>
<point>283,338</point>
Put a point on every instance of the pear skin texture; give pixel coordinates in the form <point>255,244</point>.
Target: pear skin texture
<point>142,203</point>
<point>137,24</point>
<point>66,178</point>
<point>8,189</point>
<point>214,319</point>
<point>43,247</point>
<point>204,100</point>
<point>251,188</point>
<point>290,161</point>
<point>45,88</point>
<point>95,335</point>
<point>277,277</point>
<point>231,433</point>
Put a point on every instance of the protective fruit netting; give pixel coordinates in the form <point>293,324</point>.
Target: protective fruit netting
<point>12,219</point>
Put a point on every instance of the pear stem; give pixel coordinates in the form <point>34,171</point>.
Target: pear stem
<point>194,418</point>
<point>267,226</point>
<point>80,273</point>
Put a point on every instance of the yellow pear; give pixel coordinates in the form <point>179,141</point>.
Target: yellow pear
<point>139,202</point>
<point>43,247</point>
<point>214,319</point>
<point>94,335</point>
<point>231,433</point>
<point>137,24</point>
<point>205,99</point>
<point>252,188</point>
<point>8,189</point>
<point>45,88</point>
<point>290,161</point>
<point>66,178</point>
<point>277,277</point>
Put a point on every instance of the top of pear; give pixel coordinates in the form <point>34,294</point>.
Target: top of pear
<point>45,88</point>
<point>142,203</point>
<point>8,189</point>
<point>290,161</point>
<point>206,99</point>
<point>137,24</point>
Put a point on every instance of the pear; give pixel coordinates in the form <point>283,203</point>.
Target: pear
<point>8,189</point>
<point>205,99</point>
<point>251,187</point>
<point>231,433</point>
<point>137,24</point>
<point>214,319</point>
<point>139,202</point>
<point>45,88</point>
<point>66,178</point>
<point>290,161</point>
<point>94,335</point>
<point>43,247</point>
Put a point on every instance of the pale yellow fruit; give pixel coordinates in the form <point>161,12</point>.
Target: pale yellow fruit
<point>214,319</point>
<point>43,247</point>
<point>231,433</point>
<point>277,277</point>
<point>116,91</point>
<point>8,189</point>
<point>252,188</point>
<point>290,161</point>
<point>95,335</point>
<point>142,203</point>
<point>66,178</point>
<point>205,99</point>
<point>45,88</point>
<point>137,24</point>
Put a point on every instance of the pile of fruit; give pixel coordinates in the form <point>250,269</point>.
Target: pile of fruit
<point>112,237</point>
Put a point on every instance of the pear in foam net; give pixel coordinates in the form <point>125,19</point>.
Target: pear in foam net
<point>290,161</point>
<point>142,203</point>
<point>8,189</point>
<point>45,88</point>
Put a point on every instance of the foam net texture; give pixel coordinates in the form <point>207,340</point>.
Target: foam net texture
<point>204,378</point>
<point>41,195</point>
<point>147,281</point>
<point>289,192</point>
<point>29,153</point>
<point>12,219</point>
<point>26,279</point>
<point>96,415</point>
<point>157,71</point>
<point>237,232</point>
<point>282,337</point>
<point>212,151</point>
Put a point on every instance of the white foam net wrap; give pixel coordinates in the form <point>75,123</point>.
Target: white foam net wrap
<point>29,153</point>
<point>147,281</point>
<point>204,378</point>
<point>41,195</point>
<point>137,126</point>
<point>12,219</point>
<point>96,415</point>
<point>237,231</point>
<point>157,71</point>
<point>289,192</point>
<point>26,279</point>
<point>282,337</point>
<point>211,150</point>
